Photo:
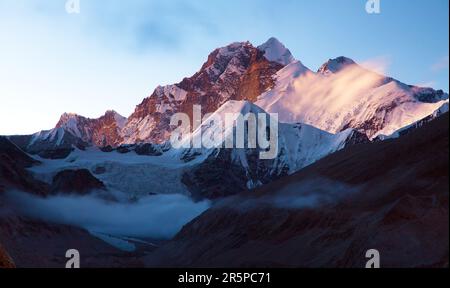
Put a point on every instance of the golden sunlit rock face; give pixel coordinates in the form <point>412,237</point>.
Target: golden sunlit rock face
<point>102,131</point>
<point>238,71</point>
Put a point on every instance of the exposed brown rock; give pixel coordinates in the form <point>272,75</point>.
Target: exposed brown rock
<point>57,153</point>
<point>258,78</point>
<point>101,131</point>
<point>5,260</point>
<point>241,74</point>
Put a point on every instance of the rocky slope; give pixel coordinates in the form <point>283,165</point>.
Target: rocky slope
<point>391,196</point>
<point>13,173</point>
<point>35,244</point>
<point>102,131</point>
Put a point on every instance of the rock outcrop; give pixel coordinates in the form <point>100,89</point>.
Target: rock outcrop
<point>5,260</point>
<point>78,181</point>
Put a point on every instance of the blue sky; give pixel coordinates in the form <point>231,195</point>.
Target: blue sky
<point>114,53</point>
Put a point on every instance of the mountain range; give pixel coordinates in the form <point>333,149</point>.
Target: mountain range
<point>340,95</point>
<point>351,145</point>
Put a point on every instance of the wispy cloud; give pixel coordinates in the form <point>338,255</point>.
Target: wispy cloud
<point>441,64</point>
<point>150,25</point>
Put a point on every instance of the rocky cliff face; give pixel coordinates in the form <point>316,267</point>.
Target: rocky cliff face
<point>238,71</point>
<point>76,182</point>
<point>13,173</point>
<point>101,131</point>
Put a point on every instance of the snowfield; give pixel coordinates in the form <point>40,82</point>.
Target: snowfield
<point>132,174</point>
<point>345,96</point>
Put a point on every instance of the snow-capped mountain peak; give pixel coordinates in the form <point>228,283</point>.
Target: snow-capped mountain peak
<point>238,71</point>
<point>115,117</point>
<point>275,51</point>
<point>345,95</point>
<point>226,58</point>
<point>335,65</point>
<point>76,130</point>
<point>70,122</point>
<point>66,118</point>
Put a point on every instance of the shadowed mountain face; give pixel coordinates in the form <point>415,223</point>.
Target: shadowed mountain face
<point>13,173</point>
<point>79,182</point>
<point>36,244</point>
<point>391,196</point>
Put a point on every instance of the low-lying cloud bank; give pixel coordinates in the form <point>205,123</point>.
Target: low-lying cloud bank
<point>310,193</point>
<point>158,216</point>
